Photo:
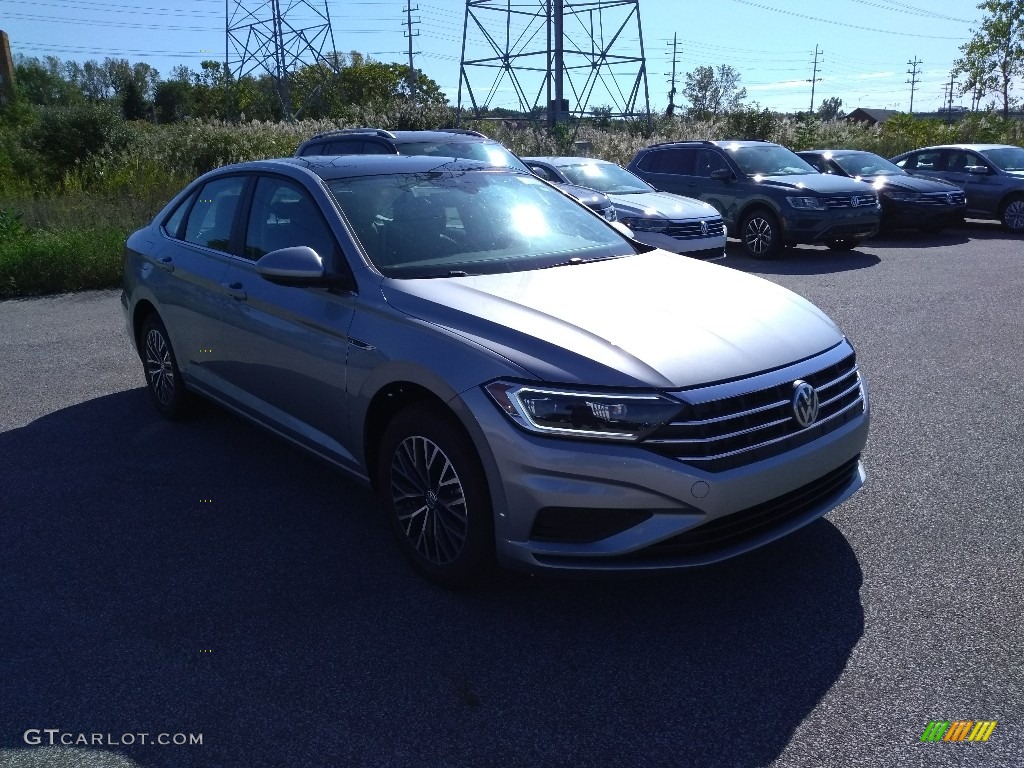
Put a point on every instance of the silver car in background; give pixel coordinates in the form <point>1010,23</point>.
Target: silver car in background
<point>659,219</point>
<point>519,381</point>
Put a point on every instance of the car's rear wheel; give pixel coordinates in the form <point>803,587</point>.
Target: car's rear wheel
<point>436,498</point>
<point>1012,214</point>
<point>761,234</point>
<point>842,244</point>
<point>163,378</point>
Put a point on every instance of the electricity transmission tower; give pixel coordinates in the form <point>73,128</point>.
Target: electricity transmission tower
<point>535,51</point>
<point>276,37</point>
<point>913,79</point>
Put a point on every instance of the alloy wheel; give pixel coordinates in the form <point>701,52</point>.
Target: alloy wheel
<point>159,367</point>
<point>1013,215</point>
<point>429,500</point>
<point>758,235</point>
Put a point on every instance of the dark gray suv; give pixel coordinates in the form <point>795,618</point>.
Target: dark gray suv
<point>767,195</point>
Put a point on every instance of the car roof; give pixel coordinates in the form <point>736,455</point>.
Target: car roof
<point>344,166</point>
<point>835,152</point>
<point>557,160</point>
<point>976,147</point>
<point>405,137</point>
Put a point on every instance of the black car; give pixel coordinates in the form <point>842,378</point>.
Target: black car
<point>447,142</point>
<point>910,202</point>
<point>768,196</point>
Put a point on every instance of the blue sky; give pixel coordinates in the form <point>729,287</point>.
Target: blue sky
<point>866,44</point>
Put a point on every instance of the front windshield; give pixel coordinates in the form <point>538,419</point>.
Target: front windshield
<point>1007,158</point>
<point>466,222</point>
<point>769,160</point>
<point>867,164</point>
<point>490,152</point>
<point>605,177</point>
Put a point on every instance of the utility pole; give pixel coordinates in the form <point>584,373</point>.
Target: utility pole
<point>814,76</point>
<point>672,92</point>
<point>7,84</point>
<point>913,80</point>
<point>410,34</point>
<point>949,98</point>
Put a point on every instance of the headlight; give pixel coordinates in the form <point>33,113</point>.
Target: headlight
<point>571,413</point>
<point>807,203</point>
<point>903,197</point>
<point>644,225</point>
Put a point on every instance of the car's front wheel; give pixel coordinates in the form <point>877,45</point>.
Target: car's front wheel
<point>163,378</point>
<point>436,497</point>
<point>842,244</point>
<point>761,234</point>
<point>1012,215</point>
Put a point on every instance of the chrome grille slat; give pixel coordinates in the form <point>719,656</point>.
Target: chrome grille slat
<point>732,425</point>
<point>858,401</point>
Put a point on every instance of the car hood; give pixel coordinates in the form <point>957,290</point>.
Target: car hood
<point>911,183</point>
<point>650,320</point>
<point>821,183</point>
<point>653,205</point>
<point>589,197</point>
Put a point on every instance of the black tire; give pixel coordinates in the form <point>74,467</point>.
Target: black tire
<point>163,379</point>
<point>436,498</point>
<point>842,244</point>
<point>1012,215</point>
<point>761,234</point>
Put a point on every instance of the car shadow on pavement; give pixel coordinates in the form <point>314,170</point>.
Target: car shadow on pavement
<point>207,578</point>
<point>801,260</point>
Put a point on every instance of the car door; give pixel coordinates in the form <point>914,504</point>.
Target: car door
<point>972,173</point>
<point>289,344</point>
<point>195,256</point>
<point>671,170</point>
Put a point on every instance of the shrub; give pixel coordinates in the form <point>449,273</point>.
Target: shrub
<point>71,139</point>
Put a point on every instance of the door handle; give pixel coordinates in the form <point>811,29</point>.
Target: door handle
<point>166,263</point>
<point>234,290</point>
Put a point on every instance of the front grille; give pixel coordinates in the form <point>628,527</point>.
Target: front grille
<point>846,201</point>
<point>690,230</point>
<point>734,431</point>
<point>754,521</point>
<point>944,198</point>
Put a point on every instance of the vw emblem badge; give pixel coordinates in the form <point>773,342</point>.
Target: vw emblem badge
<point>854,201</point>
<point>704,228</point>
<point>949,198</point>
<point>805,403</point>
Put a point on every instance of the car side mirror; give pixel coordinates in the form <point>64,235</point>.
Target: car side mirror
<point>295,265</point>
<point>977,170</point>
<point>722,174</point>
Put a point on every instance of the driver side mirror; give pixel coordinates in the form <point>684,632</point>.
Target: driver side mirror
<point>977,170</point>
<point>722,174</point>
<point>296,265</point>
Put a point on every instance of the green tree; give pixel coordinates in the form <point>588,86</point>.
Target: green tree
<point>43,82</point>
<point>994,55</point>
<point>712,92</point>
<point>830,109</point>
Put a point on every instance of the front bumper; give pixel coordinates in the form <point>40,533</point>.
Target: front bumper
<point>700,248</point>
<point>686,516</point>
<point>819,226</point>
<point>911,215</point>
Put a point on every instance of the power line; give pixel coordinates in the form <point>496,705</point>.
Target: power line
<point>901,33</point>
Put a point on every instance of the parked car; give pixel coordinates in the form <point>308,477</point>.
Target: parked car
<point>518,379</point>
<point>907,201</point>
<point>767,195</point>
<point>666,221</point>
<point>447,142</point>
<point>992,175</point>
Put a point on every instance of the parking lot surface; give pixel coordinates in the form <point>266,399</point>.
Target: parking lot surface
<point>207,578</point>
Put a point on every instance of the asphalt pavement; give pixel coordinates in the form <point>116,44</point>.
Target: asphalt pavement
<point>207,579</point>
